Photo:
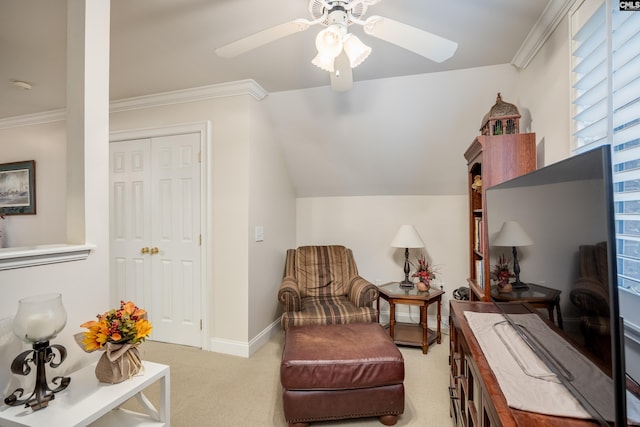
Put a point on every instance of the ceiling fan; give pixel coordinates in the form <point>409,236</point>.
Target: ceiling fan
<point>340,51</point>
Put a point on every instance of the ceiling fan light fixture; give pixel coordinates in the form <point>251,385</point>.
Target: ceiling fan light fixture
<point>324,62</point>
<point>338,51</point>
<point>329,41</point>
<point>356,50</point>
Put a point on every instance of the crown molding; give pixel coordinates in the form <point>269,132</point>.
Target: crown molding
<point>222,90</point>
<point>555,11</point>
<point>240,87</point>
<point>33,119</point>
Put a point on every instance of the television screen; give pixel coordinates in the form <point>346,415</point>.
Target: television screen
<point>566,210</point>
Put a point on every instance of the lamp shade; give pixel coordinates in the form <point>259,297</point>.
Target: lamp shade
<point>355,49</point>
<point>329,41</point>
<point>39,318</point>
<point>407,237</point>
<point>324,62</point>
<point>512,234</point>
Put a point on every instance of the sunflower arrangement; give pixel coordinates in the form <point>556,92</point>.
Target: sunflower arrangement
<point>126,325</point>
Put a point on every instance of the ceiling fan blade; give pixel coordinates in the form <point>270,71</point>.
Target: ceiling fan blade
<point>423,43</point>
<point>262,37</point>
<point>342,76</point>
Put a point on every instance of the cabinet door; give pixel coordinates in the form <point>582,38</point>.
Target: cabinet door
<point>488,418</point>
<point>472,385</point>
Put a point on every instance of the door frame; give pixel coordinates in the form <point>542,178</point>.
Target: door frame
<point>204,130</point>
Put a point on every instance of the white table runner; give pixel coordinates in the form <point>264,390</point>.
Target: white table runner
<point>525,380</point>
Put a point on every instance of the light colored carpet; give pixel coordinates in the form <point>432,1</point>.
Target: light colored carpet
<point>212,389</point>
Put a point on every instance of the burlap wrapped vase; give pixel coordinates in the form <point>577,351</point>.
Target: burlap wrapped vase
<point>119,362</point>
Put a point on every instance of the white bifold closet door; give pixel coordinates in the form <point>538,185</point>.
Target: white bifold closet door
<point>155,232</point>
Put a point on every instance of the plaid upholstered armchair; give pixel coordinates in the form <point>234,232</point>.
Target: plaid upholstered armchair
<point>321,285</point>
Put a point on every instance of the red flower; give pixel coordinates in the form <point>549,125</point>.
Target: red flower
<point>425,271</point>
<point>501,271</point>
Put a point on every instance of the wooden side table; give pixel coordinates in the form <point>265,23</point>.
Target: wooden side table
<point>412,334</point>
<point>537,295</point>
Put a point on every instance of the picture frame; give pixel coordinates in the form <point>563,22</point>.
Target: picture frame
<point>18,188</point>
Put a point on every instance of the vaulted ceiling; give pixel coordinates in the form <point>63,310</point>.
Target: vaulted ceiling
<point>166,45</point>
<point>162,45</point>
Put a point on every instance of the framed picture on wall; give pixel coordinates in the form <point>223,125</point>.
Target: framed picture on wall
<point>18,188</point>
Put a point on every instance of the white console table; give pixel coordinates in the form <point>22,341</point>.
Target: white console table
<point>87,402</point>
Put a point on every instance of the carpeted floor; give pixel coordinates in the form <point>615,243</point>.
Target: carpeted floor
<point>212,389</point>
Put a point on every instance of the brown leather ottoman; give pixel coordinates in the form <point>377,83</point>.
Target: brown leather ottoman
<point>331,372</point>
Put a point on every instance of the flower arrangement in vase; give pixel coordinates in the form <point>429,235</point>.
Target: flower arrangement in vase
<point>502,273</point>
<point>425,273</point>
<point>118,332</point>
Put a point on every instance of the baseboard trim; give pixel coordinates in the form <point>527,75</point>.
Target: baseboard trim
<point>242,348</point>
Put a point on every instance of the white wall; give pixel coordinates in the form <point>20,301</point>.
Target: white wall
<point>46,144</point>
<point>449,108</point>
<point>358,143</point>
<point>367,225</point>
<point>272,206</point>
<point>543,97</point>
<point>84,285</point>
<point>248,186</point>
<point>246,179</point>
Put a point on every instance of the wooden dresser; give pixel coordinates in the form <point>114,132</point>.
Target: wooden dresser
<point>476,398</point>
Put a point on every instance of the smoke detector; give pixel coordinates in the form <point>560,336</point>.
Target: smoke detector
<point>22,85</point>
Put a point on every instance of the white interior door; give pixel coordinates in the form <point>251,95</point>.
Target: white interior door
<point>175,230</point>
<point>155,223</point>
<point>129,195</point>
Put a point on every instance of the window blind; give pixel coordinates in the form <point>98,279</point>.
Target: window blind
<point>606,110</point>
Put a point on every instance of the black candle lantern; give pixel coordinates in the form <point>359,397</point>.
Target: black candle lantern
<point>38,320</point>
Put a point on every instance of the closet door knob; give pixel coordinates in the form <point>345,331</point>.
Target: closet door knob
<point>144,250</point>
<point>154,250</point>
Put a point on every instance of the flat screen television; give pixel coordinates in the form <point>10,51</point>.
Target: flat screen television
<point>567,210</point>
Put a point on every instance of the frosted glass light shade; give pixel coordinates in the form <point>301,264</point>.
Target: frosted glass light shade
<point>407,237</point>
<point>512,234</point>
<point>324,62</point>
<point>329,45</point>
<point>355,49</point>
<point>39,318</point>
<point>329,41</point>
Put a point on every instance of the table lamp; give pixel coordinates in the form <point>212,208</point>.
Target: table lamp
<point>39,319</point>
<point>407,237</point>
<point>512,234</point>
